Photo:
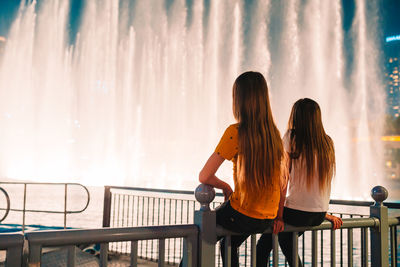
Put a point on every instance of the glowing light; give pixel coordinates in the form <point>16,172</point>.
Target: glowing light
<point>394,138</point>
<point>393,38</point>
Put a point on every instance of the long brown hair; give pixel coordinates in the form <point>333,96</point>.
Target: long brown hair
<point>260,143</point>
<point>309,140</point>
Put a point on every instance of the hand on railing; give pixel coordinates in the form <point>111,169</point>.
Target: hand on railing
<point>336,221</point>
<point>279,226</point>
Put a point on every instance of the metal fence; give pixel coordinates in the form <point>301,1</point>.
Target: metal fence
<point>23,188</point>
<point>132,206</point>
<point>199,248</point>
<point>13,245</point>
<point>70,238</point>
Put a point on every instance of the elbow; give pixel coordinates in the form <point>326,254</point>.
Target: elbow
<point>203,178</point>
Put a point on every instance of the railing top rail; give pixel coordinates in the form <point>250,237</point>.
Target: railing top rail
<point>154,190</point>
<point>11,240</point>
<point>391,205</point>
<point>76,236</point>
<point>394,221</point>
<point>325,225</point>
<point>42,183</point>
<point>54,184</point>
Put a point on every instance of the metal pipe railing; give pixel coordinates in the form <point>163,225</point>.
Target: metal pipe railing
<point>8,204</point>
<point>200,238</point>
<point>13,244</point>
<point>359,203</point>
<point>378,222</point>
<point>24,210</point>
<point>38,240</point>
<point>144,210</point>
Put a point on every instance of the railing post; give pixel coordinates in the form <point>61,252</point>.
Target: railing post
<point>35,255</point>
<point>107,207</point>
<point>205,219</point>
<point>379,236</point>
<point>13,243</point>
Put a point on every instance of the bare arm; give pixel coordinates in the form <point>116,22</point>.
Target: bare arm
<point>336,221</point>
<point>278,223</point>
<point>207,175</point>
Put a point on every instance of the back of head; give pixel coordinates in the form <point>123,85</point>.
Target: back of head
<point>309,140</point>
<point>260,144</point>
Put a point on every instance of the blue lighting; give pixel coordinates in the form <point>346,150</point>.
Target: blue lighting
<point>393,38</point>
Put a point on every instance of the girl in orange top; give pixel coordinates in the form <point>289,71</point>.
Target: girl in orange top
<point>254,145</point>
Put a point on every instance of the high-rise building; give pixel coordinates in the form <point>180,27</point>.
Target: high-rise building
<point>393,74</point>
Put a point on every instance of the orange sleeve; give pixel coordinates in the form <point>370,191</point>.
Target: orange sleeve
<point>228,145</point>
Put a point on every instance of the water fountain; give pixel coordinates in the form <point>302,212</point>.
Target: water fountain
<point>142,94</point>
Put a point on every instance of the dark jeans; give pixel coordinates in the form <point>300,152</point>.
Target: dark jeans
<point>230,219</point>
<point>235,221</point>
<point>292,217</point>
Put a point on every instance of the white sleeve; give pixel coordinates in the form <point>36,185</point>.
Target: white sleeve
<point>286,141</point>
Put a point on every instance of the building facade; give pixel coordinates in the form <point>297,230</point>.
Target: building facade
<point>393,75</point>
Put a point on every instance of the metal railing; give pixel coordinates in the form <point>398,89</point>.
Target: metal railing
<point>7,209</point>
<point>200,238</point>
<point>13,244</point>
<point>133,206</point>
<point>24,210</point>
<point>379,224</point>
<point>38,240</point>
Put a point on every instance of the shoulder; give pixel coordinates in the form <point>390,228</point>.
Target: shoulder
<point>228,145</point>
<point>232,130</point>
<point>286,139</point>
<point>233,127</point>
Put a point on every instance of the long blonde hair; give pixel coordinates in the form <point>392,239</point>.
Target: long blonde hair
<point>309,140</point>
<point>260,143</point>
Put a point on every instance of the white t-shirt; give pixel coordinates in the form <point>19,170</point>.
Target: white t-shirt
<point>299,196</point>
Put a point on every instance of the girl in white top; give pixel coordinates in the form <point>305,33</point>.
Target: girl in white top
<point>311,168</point>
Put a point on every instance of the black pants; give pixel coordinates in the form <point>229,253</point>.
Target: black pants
<point>292,217</point>
<point>235,221</point>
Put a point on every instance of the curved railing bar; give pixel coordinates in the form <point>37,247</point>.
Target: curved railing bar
<point>52,211</point>
<point>8,204</point>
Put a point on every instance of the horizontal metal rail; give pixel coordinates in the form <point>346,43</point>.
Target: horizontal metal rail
<point>24,210</point>
<point>37,240</point>
<point>51,184</point>
<point>80,236</point>
<point>13,244</point>
<point>135,206</point>
<point>348,223</point>
<point>394,221</point>
<point>390,205</point>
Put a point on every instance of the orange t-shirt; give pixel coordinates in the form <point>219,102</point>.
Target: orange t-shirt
<point>263,205</point>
